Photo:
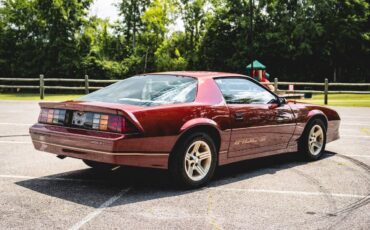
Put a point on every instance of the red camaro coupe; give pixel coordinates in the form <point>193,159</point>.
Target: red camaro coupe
<point>186,122</point>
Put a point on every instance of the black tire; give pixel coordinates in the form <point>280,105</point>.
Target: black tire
<point>304,142</point>
<point>99,165</point>
<point>177,161</point>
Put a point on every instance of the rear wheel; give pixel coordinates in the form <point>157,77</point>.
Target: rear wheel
<point>99,165</point>
<point>313,140</point>
<point>193,162</point>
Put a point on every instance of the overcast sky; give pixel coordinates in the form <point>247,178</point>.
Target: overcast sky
<point>106,9</point>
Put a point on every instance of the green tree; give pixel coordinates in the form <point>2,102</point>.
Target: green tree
<point>194,16</point>
<point>98,49</point>
<point>169,55</point>
<point>62,20</point>
<point>39,36</point>
<point>20,40</point>
<point>131,24</point>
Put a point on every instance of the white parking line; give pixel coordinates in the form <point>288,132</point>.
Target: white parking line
<point>16,124</point>
<point>361,124</point>
<point>357,136</point>
<point>351,117</point>
<point>356,155</point>
<point>16,142</point>
<point>289,192</point>
<point>47,178</point>
<point>100,209</point>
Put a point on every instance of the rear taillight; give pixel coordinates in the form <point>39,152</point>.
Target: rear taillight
<point>52,116</point>
<point>87,120</point>
<point>109,122</point>
<point>106,122</point>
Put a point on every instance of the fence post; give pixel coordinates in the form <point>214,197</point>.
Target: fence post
<point>326,89</point>
<point>86,84</point>
<point>42,89</point>
<point>275,85</point>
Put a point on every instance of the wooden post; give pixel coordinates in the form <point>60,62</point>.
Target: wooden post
<point>42,89</point>
<point>276,85</point>
<point>86,84</point>
<point>326,89</point>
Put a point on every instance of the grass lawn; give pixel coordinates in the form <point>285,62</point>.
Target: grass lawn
<point>341,100</point>
<point>36,97</point>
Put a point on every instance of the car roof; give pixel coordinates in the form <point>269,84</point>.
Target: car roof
<point>199,74</point>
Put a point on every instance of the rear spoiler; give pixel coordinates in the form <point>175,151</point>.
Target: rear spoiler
<point>85,107</point>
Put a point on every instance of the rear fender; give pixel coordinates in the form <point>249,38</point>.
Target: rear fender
<point>198,122</point>
<point>195,123</point>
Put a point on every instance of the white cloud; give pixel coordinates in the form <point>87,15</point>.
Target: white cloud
<point>105,9</point>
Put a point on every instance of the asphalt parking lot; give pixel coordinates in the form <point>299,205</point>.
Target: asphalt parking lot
<point>40,191</point>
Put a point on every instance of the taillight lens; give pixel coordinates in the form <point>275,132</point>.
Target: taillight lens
<point>112,123</point>
<point>52,116</point>
<point>87,120</point>
<point>106,122</point>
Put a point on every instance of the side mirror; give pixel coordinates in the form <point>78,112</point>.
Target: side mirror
<point>282,100</point>
<point>277,102</point>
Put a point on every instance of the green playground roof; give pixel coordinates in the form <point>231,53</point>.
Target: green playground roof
<point>256,65</point>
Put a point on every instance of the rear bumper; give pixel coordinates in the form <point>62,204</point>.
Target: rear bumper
<point>96,146</point>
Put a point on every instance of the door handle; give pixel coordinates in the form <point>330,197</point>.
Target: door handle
<point>239,116</point>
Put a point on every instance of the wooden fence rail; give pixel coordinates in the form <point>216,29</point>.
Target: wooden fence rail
<point>86,88</point>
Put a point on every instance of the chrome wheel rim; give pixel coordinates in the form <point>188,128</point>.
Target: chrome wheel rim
<point>316,140</point>
<point>198,160</point>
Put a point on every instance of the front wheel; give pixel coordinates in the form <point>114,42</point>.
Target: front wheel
<point>313,140</point>
<point>194,161</point>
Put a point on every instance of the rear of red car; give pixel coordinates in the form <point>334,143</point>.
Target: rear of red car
<point>92,131</point>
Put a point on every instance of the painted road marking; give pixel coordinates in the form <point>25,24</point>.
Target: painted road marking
<point>48,178</point>
<point>356,117</point>
<point>362,124</point>
<point>16,124</point>
<point>357,136</point>
<point>100,209</point>
<point>365,130</point>
<point>289,192</point>
<point>356,155</point>
<point>16,142</point>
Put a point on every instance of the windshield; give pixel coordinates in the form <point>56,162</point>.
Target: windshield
<point>147,90</point>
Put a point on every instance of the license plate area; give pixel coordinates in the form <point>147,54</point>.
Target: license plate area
<point>82,119</point>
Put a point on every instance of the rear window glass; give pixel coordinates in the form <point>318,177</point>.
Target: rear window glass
<point>147,90</point>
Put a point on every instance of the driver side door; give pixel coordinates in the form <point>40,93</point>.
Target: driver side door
<point>259,123</point>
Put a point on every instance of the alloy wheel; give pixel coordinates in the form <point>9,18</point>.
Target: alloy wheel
<point>198,159</point>
<point>316,140</point>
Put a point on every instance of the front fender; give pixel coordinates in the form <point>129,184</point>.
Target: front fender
<point>315,112</point>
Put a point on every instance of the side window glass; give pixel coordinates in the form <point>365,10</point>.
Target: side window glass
<point>243,91</point>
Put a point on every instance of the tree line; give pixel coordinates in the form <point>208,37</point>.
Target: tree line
<point>298,40</point>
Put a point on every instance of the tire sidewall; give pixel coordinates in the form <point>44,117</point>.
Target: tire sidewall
<point>177,161</point>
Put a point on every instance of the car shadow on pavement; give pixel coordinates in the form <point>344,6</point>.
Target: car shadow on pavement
<point>92,188</point>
